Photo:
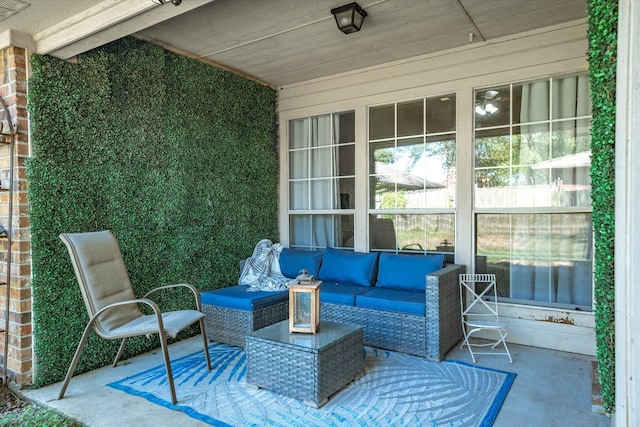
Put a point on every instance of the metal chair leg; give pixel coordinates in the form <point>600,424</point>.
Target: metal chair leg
<point>76,358</point>
<point>167,364</point>
<point>120,350</point>
<point>206,345</point>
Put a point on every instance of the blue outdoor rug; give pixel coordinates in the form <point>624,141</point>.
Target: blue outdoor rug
<point>396,390</point>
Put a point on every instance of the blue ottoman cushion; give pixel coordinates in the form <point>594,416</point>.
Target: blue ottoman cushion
<point>238,298</point>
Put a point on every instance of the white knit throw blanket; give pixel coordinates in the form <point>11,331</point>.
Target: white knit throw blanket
<point>262,272</point>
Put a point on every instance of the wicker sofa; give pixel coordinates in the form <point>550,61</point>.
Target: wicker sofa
<point>406,303</point>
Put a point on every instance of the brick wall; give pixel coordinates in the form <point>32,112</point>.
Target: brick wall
<point>18,336</point>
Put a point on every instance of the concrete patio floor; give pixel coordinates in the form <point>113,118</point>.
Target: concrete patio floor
<point>552,388</point>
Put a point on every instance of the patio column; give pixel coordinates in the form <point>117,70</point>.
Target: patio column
<point>627,238</point>
<point>18,336</point>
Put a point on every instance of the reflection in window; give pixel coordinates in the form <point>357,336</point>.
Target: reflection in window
<point>533,190</point>
<point>526,158</point>
<point>434,232</point>
<point>538,258</point>
<point>412,173</point>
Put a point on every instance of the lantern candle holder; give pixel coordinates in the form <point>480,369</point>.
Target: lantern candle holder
<point>304,304</point>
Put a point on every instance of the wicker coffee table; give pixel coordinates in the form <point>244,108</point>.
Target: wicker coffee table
<point>309,367</point>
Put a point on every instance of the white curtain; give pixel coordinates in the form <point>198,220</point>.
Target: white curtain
<point>313,169</point>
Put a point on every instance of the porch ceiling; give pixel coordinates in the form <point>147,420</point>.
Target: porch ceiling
<point>280,42</point>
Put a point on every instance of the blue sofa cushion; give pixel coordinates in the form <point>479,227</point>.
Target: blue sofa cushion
<point>337,293</point>
<point>294,260</point>
<point>237,297</point>
<point>346,267</point>
<point>406,272</point>
<point>408,302</point>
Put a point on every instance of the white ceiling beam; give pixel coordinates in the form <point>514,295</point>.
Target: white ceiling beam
<point>103,23</point>
<point>16,38</point>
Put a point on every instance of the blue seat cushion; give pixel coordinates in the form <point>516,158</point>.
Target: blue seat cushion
<point>347,267</point>
<point>408,302</point>
<point>406,272</point>
<point>294,260</point>
<point>337,293</point>
<point>237,297</point>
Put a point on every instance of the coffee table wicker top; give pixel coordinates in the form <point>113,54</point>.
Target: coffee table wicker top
<point>326,336</point>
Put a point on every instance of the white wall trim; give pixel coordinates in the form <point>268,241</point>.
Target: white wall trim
<point>627,240</point>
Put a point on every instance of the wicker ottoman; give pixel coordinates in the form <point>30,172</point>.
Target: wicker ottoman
<point>233,313</point>
<point>309,367</point>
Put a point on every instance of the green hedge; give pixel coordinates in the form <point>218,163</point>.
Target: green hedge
<point>602,35</point>
<point>176,157</point>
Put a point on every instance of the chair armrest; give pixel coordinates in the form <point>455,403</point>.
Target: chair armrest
<point>193,289</point>
<point>442,309</point>
<point>105,334</point>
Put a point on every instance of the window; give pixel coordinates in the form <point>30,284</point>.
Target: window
<point>532,194</point>
<point>322,180</point>
<point>412,175</point>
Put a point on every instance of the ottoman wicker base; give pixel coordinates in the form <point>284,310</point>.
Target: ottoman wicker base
<point>309,367</point>
<point>231,326</point>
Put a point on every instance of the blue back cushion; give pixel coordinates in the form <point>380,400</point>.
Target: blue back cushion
<point>406,272</point>
<point>294,260</point>
<point>346,267</point>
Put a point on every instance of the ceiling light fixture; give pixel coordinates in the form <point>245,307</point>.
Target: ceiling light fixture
<point>174,2</point>
<point>349,17</point>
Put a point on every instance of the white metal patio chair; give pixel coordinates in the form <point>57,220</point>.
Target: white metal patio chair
<point>113,309</point>
<point>480,314</point>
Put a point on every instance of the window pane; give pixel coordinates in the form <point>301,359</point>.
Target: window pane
<point>492,107</point>
<point>571,97</point>
<point>533,145</point>
<point>300,230</point>
<point>299,195</point>
<point>570,137</point>
<point>332,231</point>
<point>440,162</point>
<point>319,231</point>
<point>321,194</point>
<point>298,164</point>
<point>345,127</point>
<point>299,133</point>
<point>493,148</point>
<point>420,232</point>
<point>410,118</point>
<point>321,162</point>
<point>380,188</point>
<point>534,104</point>
<point>345,157</point>
<point>441,114</point>
<point>382,234</point>
<point>346,190</point>
<point>538,257</point>
<point>320,131</point>
<point>381,152</point>
<point>382,122</point>
<point>408,153</point>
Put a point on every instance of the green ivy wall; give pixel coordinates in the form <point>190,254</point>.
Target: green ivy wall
<point>603,43</point>
<point>176,157</point>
